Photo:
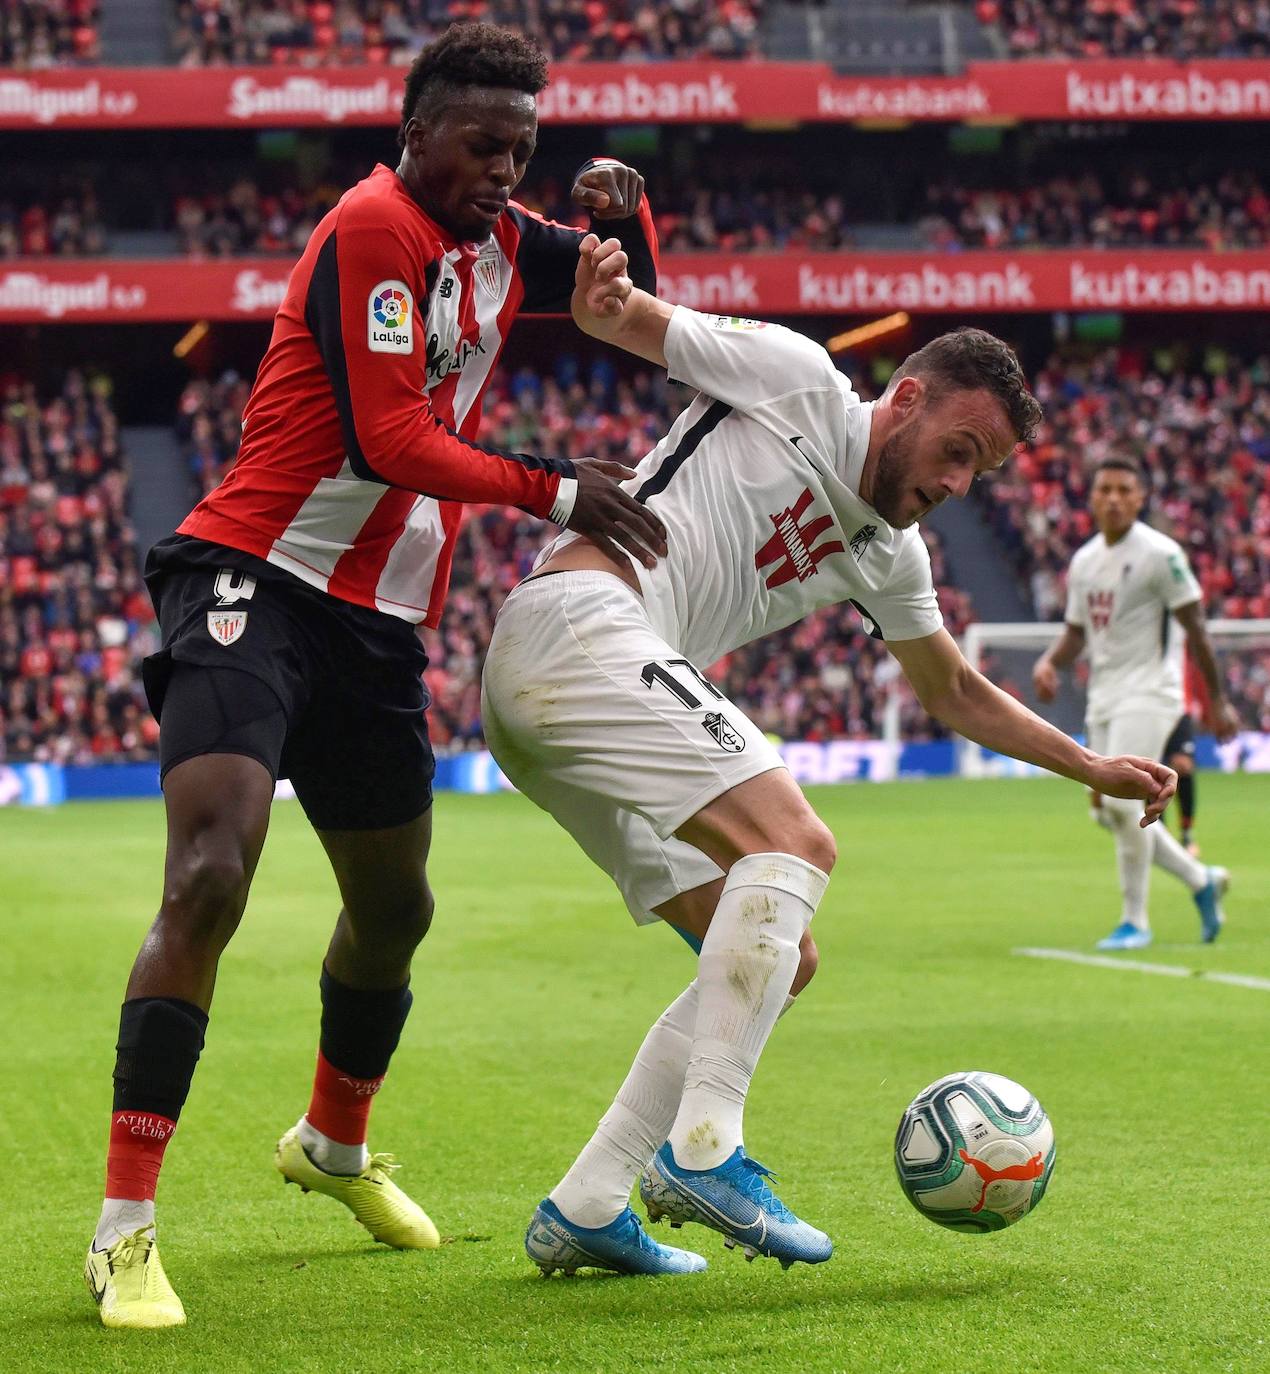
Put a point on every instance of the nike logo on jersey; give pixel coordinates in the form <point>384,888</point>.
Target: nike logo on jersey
<point>797,440</point>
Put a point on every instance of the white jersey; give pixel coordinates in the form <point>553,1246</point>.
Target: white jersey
<point>1123,596</point>
<point>757,483</point>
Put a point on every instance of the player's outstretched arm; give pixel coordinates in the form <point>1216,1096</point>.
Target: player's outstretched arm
<point>1065,650</point>
<point>607,305</point>
<point>952,691</point>
<point>1221,717</point>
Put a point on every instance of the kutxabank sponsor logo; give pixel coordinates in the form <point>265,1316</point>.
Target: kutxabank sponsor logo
<point>1170,97</point>
<point>1192,286</point>
<point>932,287</point>
<point>710,96</point>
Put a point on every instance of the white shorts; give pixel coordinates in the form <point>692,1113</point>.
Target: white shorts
<point>599,721</point>
<point>1144,733</point>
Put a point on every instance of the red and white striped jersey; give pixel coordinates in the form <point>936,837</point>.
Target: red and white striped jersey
<point>358,440</point>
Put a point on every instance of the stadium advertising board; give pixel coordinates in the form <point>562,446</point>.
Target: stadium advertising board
<point>671,92</point>
<point>50,290</point>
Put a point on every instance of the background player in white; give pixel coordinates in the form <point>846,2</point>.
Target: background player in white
<point>1125,588</point>
<point>780,492</point>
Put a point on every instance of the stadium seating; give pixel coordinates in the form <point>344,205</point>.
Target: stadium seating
<point>322,32</point>
<point>62,226</point>
<point>35,34</point>
<point>75,620</point>
<point>1138,28</point>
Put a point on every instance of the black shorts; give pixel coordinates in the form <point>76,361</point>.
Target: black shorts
<point>320,691</point>
<point>1182,740</point>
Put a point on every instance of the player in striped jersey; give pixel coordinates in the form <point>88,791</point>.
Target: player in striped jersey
<point>781,492</point>
<point>288,603</point>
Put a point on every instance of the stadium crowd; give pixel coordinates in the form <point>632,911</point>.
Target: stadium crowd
<point>1179,29</point>
<point>35,34</point>
<point>322,32</point>
<point>75,619</point>
<point>57,226</point>
<point>1231,211</point>
<point>758,213</point>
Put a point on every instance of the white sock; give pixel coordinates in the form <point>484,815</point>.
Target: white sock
<point>1134,847</point>
<point>747,963</point>
<point>121,1216</point>
<point>598,1185</point>
<point>331,1156</point>
<point>1169,855</point>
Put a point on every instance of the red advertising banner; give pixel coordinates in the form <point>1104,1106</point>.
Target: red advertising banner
<point>50,290</point>
<point>624,93</point>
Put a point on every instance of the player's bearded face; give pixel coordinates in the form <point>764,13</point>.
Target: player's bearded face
<point>894,495</point>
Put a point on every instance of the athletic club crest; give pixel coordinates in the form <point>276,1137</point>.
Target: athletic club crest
<point>226,627</point>
<point>724,735</point>
<point>488,272</point>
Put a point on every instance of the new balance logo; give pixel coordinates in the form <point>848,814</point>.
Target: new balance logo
<point>861,540</point>
<point>793,547</point>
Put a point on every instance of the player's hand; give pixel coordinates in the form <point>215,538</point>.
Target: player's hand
<point>600,278</point>
<point>610,191</point>
<point>1135,778</point>
<point>1044,680</point>
<point>1223,721</point>
<point>611,518</point>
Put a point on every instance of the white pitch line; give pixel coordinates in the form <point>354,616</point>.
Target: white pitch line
<point>1241,980</point>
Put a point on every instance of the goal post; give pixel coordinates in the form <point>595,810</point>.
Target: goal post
<point>1004,652</point>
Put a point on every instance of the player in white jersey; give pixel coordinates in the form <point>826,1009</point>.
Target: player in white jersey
<point>1125,588</point>
<point>780,492</point>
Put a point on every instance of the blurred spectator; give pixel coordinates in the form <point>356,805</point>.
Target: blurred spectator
<point>1232,211</point>
<point>209,426</point>
<point>35,34</point>
<point>67,226</point>
<point>326,32</point>
<point>1130,28</point>
<point>1200,430</point>
<point>75,620</point>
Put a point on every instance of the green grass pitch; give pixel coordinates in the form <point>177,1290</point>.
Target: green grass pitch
<point>531,995</point>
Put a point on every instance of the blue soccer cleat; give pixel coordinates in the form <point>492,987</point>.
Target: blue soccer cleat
<point>553,1242</point>
<point>734,1200</point>
<point>1208,900</point>
<point>1126,936</point>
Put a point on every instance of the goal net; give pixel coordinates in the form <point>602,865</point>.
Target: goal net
<point>1005,652</point>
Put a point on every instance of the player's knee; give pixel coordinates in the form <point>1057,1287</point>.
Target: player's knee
<point>808,963</point>
<point>1122,812</point>
<point>396,922</point>
<point>814,843</point>
<point>205,895</point>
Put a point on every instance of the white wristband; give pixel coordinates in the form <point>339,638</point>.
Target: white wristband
<point>566,496</point>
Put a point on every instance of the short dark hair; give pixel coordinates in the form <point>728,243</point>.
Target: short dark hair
<point>1118,463</point>
<point>472,55</point>
<point>973,360</point>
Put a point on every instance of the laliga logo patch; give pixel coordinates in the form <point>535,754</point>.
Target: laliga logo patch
<point>723,734</point>
<point>390,318</point>
<point>226,627</point>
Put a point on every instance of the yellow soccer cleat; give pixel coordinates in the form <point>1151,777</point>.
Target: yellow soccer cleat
<point>372,1197</point>
<point>128,1284</point>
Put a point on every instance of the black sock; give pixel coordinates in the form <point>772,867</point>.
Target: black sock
<point>160,1040</point>
<point>360,1030</point>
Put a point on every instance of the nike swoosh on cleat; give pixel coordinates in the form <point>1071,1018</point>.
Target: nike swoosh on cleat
<point>734,1226</point>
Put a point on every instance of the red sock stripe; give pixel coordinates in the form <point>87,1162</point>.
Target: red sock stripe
<point>341,1104</point>
<point>137,1143</point>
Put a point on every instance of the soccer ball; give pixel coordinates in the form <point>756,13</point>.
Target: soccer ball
<point>974,1152</point>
